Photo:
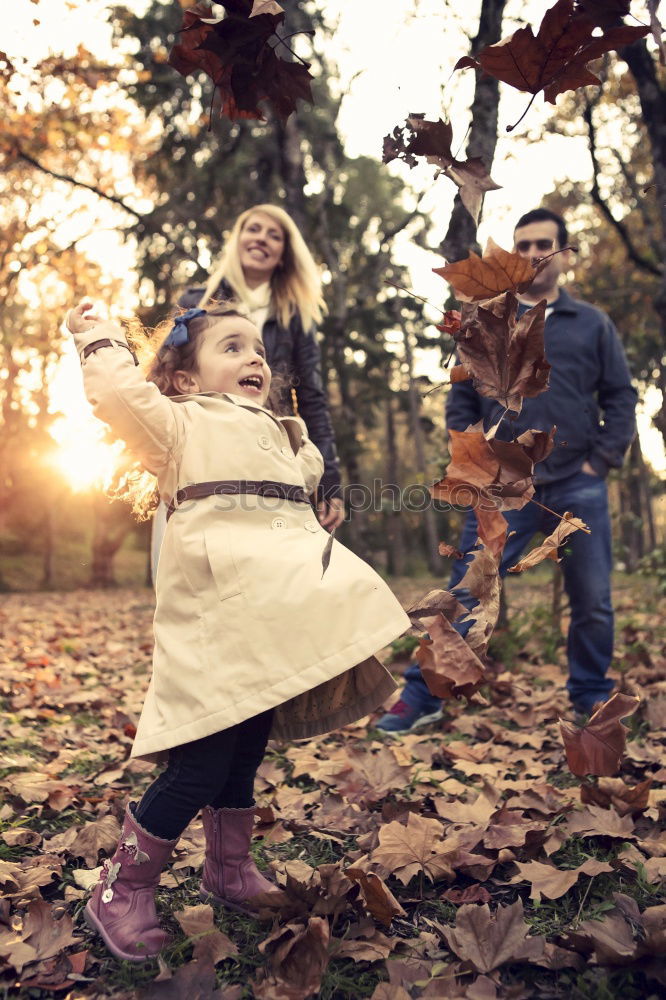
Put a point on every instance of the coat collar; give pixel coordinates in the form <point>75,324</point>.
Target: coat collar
<point>564,303</point>
<point>291,425</point>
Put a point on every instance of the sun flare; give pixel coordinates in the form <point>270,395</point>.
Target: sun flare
<point>82,456</point>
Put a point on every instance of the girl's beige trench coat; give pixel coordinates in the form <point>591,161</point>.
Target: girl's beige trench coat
<point>245,619</point>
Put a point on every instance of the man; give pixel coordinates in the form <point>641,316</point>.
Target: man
<point>589,380</point>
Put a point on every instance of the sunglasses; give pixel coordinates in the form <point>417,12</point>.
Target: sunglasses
<point>522,246</point>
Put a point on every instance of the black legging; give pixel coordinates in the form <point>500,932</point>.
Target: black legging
<point>218,770</point>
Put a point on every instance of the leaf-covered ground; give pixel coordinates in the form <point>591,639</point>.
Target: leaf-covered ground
<point>466,861</point>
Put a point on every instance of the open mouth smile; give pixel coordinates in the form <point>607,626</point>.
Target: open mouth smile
<point>253,382</point>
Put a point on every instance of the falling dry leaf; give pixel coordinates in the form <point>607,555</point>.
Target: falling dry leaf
<point>419,137</point>
<point>550,546</point>
<point>555,59</point>
<point>597,747</point>
<point>475,279</point>
<point>504,356</point>
<point>234,51</point>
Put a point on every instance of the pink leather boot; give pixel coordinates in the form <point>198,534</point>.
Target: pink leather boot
<point>230,876</point>
<point>122,906</point>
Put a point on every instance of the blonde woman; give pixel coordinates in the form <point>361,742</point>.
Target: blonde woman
<point>267,266</point>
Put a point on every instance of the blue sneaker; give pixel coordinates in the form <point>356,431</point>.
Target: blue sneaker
<point>404,718</point>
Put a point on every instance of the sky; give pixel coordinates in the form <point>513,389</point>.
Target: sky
<point>406,51</point>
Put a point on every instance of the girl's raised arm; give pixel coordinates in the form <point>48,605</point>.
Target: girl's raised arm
<point>149,423</point>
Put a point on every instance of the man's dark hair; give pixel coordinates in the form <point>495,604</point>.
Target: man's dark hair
<point>545,215</point>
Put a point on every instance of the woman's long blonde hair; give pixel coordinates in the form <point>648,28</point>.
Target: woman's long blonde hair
<point>295,283</point>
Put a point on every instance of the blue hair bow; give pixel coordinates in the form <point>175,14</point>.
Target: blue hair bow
<point>179,333</point>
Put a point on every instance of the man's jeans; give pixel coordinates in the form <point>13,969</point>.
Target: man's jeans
<point>586,565</point>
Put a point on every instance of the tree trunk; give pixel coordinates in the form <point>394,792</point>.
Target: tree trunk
<point>435,564</point>
<point>49,534</point>
<point>393,515</point>
<point>461,234</point>
<point>108,536</point>
<point>652,94</point>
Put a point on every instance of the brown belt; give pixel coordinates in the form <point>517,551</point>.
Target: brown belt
<point>235,487</point>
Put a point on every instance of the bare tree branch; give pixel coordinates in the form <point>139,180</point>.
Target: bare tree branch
<point>639,260</point>
<point>82,184</point>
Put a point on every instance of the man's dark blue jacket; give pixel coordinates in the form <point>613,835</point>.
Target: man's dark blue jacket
<point>590,398</point>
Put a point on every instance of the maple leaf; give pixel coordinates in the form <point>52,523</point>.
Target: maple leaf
<point>490,474</point>
<point>475,278</point>
<point>418,846</point>
<point>555,59</point>
<point>209,943</point>
<point>504,356</point>
<point>604,13</point>
<point>234,52</point>
<point>550,547</point>
<point>488,940</point>
<point>552,882</point>
<point>419,137</point>
<point>593,821</point>
<point>597,747</point>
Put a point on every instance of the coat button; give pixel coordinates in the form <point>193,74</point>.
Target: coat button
<point>287,452</point>
<point>311,525</point>
<point>278,522</point>
<point>264,441</point>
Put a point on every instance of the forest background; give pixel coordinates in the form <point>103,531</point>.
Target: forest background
<point>117,183</point>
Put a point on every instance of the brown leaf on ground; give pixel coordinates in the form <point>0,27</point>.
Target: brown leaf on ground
<point>297,959</point>
<point>100,835</point>
<point>209,943</point>
<point>489,940</point>
<point>418,846</point>
<point>593,821</point>
<point>55,974</point>
<point>45,934</point>
<point>555,882</point>
<point>472,894</point>
<point>388,991</point>
<point>597,747</point>
<point>476,279</point>
<point>614,792</point>
<point>195,980</point>
<point>504,356</point>
<point>550,546</point>
<point>379,899</point>
<point>363,943</point>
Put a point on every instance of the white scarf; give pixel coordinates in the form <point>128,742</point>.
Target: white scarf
<point>258,303</point>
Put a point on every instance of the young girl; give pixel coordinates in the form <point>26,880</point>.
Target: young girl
<point>254,638</point>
